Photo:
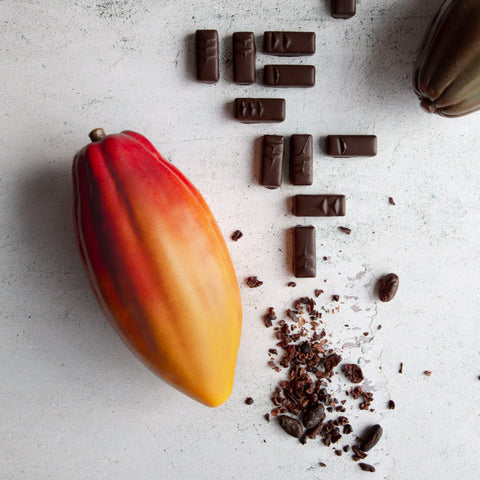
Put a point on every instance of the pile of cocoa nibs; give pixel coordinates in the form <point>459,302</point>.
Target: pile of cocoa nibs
<point>303,400</point>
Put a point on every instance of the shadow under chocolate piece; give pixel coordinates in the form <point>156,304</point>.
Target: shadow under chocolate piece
<point>344,8</point>
<point>289,75</point>
<point>272,161</point>
<point>319,205</point>
<point>207,56</point>
<point>305,257</point>
<point>260,110</point>
<point>289,43</point>
<point>301,159</point>
<point>344,146</point>
<point>244,71</point>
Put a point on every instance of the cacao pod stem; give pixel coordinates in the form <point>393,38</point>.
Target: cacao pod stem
<point>97,134</point>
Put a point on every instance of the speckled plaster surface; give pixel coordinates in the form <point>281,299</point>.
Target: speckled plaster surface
<point>74,402</point>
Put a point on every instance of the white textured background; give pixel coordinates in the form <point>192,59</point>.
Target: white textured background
<point>74,403</point>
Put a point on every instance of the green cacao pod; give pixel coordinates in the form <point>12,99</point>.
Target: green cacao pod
<point>447,72</point>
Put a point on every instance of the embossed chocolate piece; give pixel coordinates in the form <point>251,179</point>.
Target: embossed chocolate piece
<point>207,56</point>
<point>344,146</point>
<point>272,161</point>
<point>244,71</point>
<point>260,110</point>
<point>319,205</point>
<point>301,160</point>
<point>289,43</point>
<point>289,75</point>
<point>344,8</point>
<point>305,256</point>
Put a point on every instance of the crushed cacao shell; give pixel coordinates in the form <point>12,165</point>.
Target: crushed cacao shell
<point>318,292</point>
<point>253,282</point>
<point>237,235</point>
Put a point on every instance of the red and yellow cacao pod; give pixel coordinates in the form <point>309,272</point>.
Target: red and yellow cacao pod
<point>158,264</point>
<point>447,72</point>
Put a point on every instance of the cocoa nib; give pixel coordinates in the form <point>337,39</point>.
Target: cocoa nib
<point>236,235</point>
<point>353,372</point>
<point>253,282</point>
<point>366,467</point>
<point>345,230</point>
<point>249,400</point>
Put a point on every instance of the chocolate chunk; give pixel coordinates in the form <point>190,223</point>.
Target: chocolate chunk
<point>343,8</point>
<point>344,146</point>
<point>301,160</point>
<point>237,235</point>
<point>371,437</point>
<point>260,110</point>
<point>305,258</point>
<point>207,56</point>
<point>272,161</point>
<point>313,416</point>
<point>244,71</point>
<point>289,75</point>
<point>353,372</point>
<point>289,43</point>
<point>366,467</point>
<point>387,287</point>
<point>253,282</point>
<point>292,426</point>
<point>319,205</point>
<point>249,400</point>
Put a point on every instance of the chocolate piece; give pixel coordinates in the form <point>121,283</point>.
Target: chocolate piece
<point>244,71</point>
<point>371,437</point>
<point>260,110</point>
<point>344,146</point>
<point>343,8</point>
<point>272,161</point>
<point>207,56</point>
<point>305,260</point>
<point>301,160</point>
<point>319,205</point>
<point>289,75</point>
<point>289,43</point>
<point>387,287</point>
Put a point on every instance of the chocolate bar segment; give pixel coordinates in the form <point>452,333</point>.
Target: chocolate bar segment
<point>301,159</point>
<point>289,75</point>
<point>260,110</point>
<point>244,71</point>
<point>289,43</point>
<point>272,161</point>
<point>344,146</point>
<point>319,205</point>
<point>305,257</point>
<point>343,8</point>
<point>207,56</point>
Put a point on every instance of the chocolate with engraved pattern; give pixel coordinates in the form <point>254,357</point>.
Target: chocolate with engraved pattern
<point>289,43</point>
<point>260,110</point>
<point>207,56</point>
<point>305,255</point>
<point>289,75</point>
<point>344,8</point>
<point>301,160</point>
<point>344,146</point>
<point>272,161</point>
<point>244,71</point>
<point>319,205</point>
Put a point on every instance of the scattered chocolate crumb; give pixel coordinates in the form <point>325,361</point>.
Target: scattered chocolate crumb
<point>273,351</point>
<point>400,370</point>
<point>321,464</point>
<point>253,282</point>
<point>365,334</point>
<point>379,327</point>
<point>338,453</point>
<point>353,372</point>
<point>325,258</point>
<point>391,405</point>
<point>236,235</point>
<point>358,452</point>
<point>267,417</point>
<point>346,448</point>
<point>335,298</point>
<point>318,292</point>
<point>347,429</point>
<point>249,400</point>
<point>390,200</point>
<point>346,230</point>
<point>366,467</point>
<point>427,373</point>
<point>269,317</point>
<point>291,284</point>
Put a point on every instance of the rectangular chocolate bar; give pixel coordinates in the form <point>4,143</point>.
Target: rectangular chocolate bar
<point>260,110</point>
<point>244,71</point>
<point>344,146</point>
<point>289,75</point>
<point>319,205</point>
<point>207,56</point>
<point>289,43</point>
<point>272,161</point>
<point>301,160</point>
<point>343,8</point>
<point>305,255</point>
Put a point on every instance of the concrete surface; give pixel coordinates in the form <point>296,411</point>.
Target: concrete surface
<point>74,402</point>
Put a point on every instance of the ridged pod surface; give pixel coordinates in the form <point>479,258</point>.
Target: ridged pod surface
<point>447,72</point>
<point>158,264</point>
